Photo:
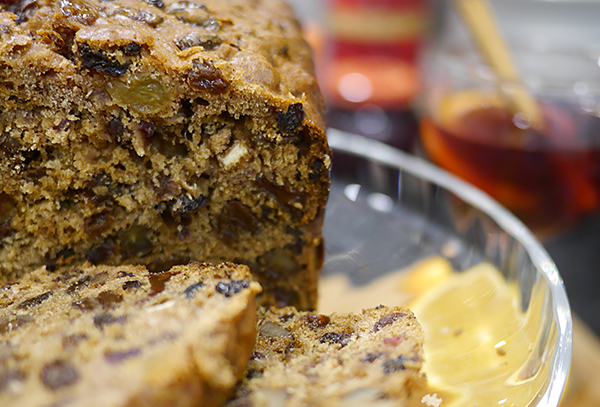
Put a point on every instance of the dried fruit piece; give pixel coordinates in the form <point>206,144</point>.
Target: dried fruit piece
<point>193,13</point>
<point>284,296</point>
<point>9,144</point>
<point>120,356</point>
<point>387,320</point>
<point>317,169</point>
<point>82,282</point>
<point>394,365</point>
<point>4,326</point>
<point>286,317</point>
<point>195,39</point>
<point>280,262</point>
<point>182,5</point>
<point>272,330</point>
<point>116,130</point>
<point>79,10</point>
<point>73,340</point>
<point>97,224</point>
<point>191,291</point>
<point>102,252</point>
<point>18,321</point>
<point>158,281</point>
<point>147,128</point>
<point>234,219</point>
<point>336,338</point>
<point>109,298</point>
<point>155,3</point>
<point>204,76</point>
<point>98,279</point>
<point>59,373</point>
<point>164,187</point>
<point>131,285</point>
<point>63,257</point>
<point>257,355</point>
<point>317,321</point>
<point>141,92</point>
<point>22,9</point>
<point>289,121</point>
<point>232,287</point>
<point>87,304</point>
<point>371,357</point>
<point>135,241</point>
<point>394,340</point>
<point>293,201</point>
<point>101,62</point>
<point>102,320</point>
<point>163,265</point>
<point>7,207</point>
<point>132,49</point>
<point>5,230</point>
<point>89,197</point>
<point>178,212</point>
<point>143,16</point>
<point>35,301</point>
<point>67,275</point>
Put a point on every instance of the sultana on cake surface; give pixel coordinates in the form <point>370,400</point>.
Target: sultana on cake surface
<point>124,337</point>
<point>161,131</point>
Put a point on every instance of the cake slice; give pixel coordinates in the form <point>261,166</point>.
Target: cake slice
<point>305,359</point>
<point>121,336</point>
<point>161,131</point>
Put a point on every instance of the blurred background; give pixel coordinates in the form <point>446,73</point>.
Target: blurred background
<point>408,73</point>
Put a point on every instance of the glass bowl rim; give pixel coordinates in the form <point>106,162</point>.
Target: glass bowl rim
<point>383,154</point>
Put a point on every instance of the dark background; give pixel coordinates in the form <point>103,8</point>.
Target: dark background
<point>577,256</point>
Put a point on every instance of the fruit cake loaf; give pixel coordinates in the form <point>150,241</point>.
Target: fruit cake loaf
<point>121,336</point>
<point>305,359</point>
<point>161,131</point>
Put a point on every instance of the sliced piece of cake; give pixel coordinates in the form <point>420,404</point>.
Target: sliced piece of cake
<point>121,336</point>
<point>305,359</point>
<point>161,131</point>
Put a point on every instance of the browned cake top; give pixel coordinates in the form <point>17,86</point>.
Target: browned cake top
<point>207,46</point>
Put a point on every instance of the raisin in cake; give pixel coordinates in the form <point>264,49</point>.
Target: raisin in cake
<point>307,359</point>
<point>121,336</point>
<point>161,131</point>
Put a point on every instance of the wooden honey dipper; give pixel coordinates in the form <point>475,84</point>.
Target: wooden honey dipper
<point>479,18</point>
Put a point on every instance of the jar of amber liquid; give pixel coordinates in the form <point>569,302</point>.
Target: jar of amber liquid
<point>370,73</point>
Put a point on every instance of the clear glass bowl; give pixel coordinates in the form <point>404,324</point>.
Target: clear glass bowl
<point>388,210</point>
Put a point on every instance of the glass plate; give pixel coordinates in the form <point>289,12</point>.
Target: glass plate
<point>388,210</point>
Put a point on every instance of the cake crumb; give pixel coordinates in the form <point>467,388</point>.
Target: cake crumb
<point>298,354</point>
<point>431,400</point>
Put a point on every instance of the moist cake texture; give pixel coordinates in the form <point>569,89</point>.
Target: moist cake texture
<point>161,131</point>
<point>121,336</point>
<point>306,359</point>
